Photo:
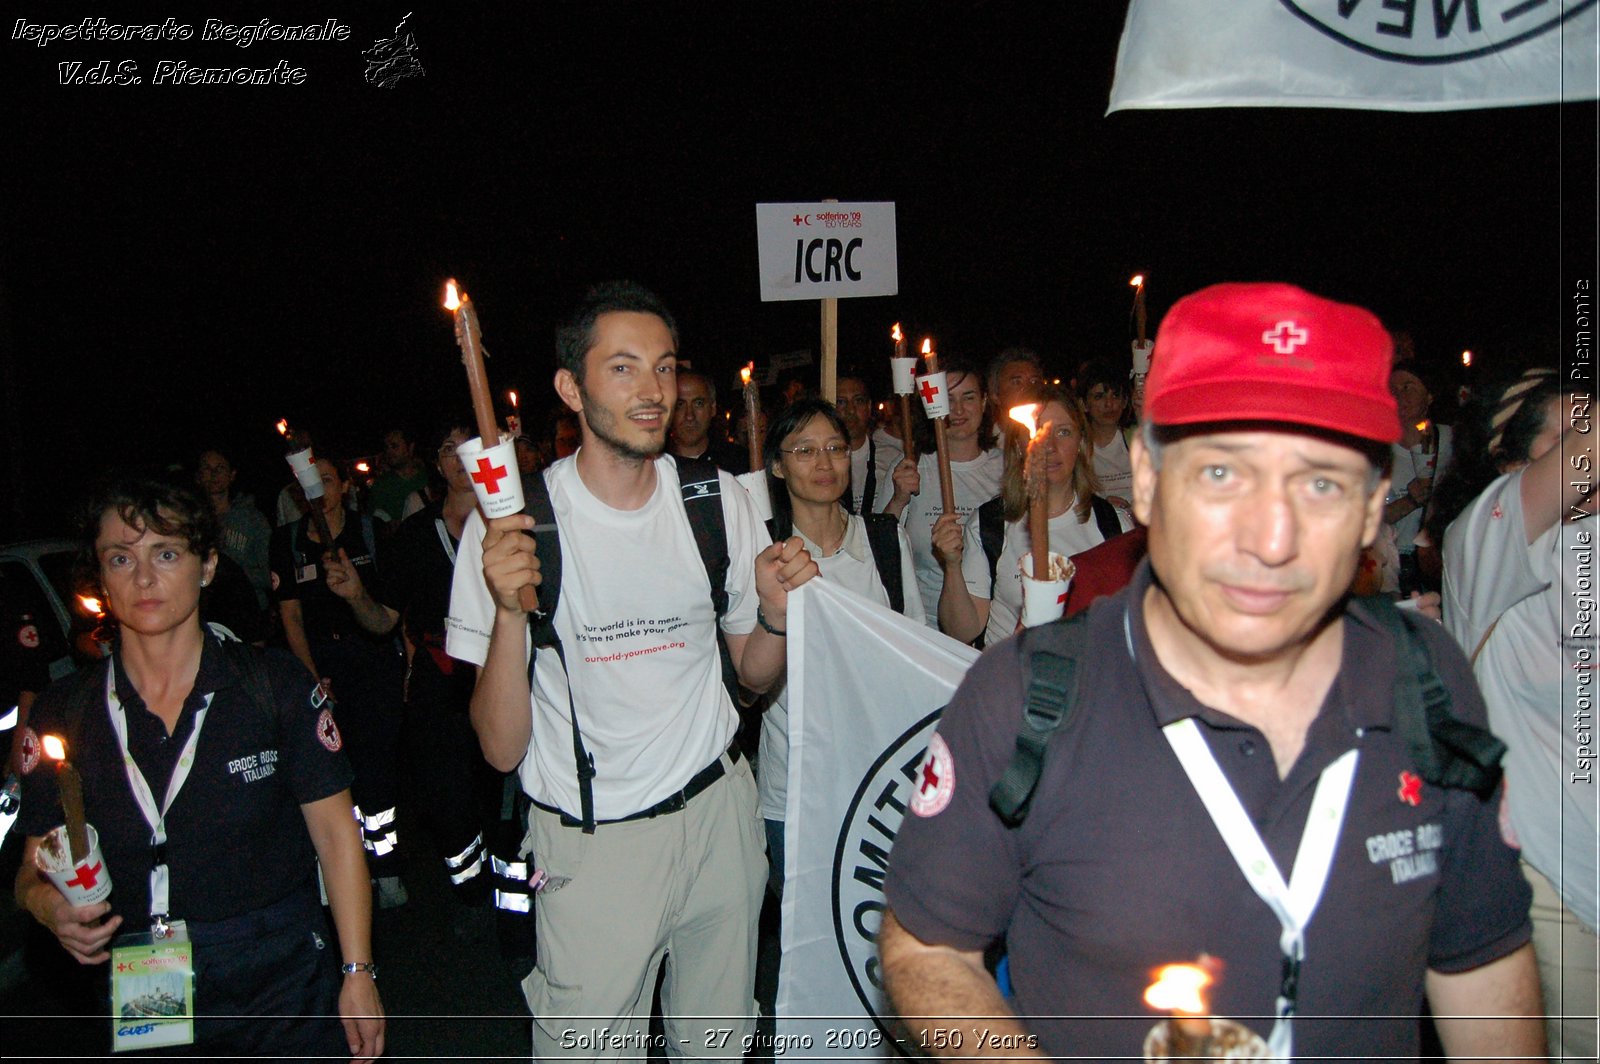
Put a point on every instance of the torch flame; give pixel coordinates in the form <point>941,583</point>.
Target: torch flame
<point>927,346</point>
<point>745,371</point>
<point>1179,988</point>
<point>513,397</point>
<point>1028,415</point>
<point>283,426</point>
<point>92,604</point>
<point>55,748</point>
<point>1466,358</point>
<point>1137,281</point>
<point>363,467</point>
<point>895,334</point>
<point>452,295</point>
<point>1422,426</point>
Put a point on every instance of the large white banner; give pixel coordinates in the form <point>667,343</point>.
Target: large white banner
<point>865,689</point>
<point>826,250</point>
<point>1398,55</point>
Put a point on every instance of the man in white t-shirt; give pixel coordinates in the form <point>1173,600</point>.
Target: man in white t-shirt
<point>871,462</point>
<point>672,865</point>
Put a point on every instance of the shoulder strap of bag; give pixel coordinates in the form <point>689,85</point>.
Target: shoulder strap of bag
<point>1447,751</point>
<point>883,536</point>
<point>992,533</point>
<point>1051,676</point>
<point>1105,516</point>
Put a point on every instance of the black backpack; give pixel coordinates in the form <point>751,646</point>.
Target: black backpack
<point>883,538</point>
<point>701,485</point>
<point>1447,752</point>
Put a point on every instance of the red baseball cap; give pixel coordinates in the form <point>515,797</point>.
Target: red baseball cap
<point>1272,352</point>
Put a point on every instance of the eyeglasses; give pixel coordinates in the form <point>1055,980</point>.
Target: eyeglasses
<point>805,454</point>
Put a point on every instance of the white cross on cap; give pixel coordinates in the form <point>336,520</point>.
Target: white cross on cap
<point>1285,337</point>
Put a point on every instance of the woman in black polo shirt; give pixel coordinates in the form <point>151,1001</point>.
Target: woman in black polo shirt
<point>210,748</point>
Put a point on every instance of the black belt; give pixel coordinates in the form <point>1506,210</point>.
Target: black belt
<point>672,803</point>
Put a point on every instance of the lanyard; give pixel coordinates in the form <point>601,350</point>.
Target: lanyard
<point>1292,903</point>
<point>444,538</point>
<point>156,818</point>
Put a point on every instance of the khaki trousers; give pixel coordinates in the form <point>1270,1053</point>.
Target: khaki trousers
<point>687,887</point>
<point>1566,952</point>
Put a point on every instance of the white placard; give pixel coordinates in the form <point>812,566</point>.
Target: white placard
<point>819,250</point>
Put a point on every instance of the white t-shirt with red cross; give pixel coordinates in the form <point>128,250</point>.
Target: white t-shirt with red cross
<point>975,483</point>
<point>639,632</point>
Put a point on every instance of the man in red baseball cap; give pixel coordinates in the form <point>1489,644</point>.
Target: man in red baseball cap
<point>1237,783</point>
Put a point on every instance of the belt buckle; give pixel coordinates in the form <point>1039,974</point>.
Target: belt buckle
<point>672,803</point>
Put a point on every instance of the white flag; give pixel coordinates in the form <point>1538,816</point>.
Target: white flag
<point>865,689</point>
<point>1397,55</point>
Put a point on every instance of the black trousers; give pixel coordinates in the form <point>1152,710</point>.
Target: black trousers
<point>367,677</point>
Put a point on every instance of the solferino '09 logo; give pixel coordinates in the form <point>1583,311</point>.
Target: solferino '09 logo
<point>1435,31</point>
<point>861,859</point>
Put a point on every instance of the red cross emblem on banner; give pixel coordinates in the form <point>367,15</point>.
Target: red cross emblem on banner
<point>1410,790</point>
<point>489,475</point>
<point>928,391</point>
<point>86,878</point>
<point>1285,338</point>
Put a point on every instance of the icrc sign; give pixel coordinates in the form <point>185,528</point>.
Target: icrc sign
<point>826,250</point>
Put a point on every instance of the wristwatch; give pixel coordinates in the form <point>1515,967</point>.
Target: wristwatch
<point>362,966</point>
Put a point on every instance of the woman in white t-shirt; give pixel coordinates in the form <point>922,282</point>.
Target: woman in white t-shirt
<point>975,464</point>
<point>1079,519</point>
<point>807,455</point>
<point>1104,390</point>
<point>1518,568</point>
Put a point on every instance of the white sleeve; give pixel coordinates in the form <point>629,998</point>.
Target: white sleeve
<point>471,615</point>
<point>1489,565</point>
<point>975,563</point>
<point>908,581</point>
<point>747,537</point>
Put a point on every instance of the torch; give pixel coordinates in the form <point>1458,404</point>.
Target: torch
<point>491,460</point>
<point>1141,346</point>
<point>1038,492</point>
<point>1190,1031</point>
<point>70,784</point>
<point>933,389</point>
<point>304,465</point>
<point>752,414</point>
<point>903,369</point>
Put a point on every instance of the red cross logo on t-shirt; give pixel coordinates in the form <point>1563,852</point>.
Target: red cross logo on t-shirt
<point>87,877</point>
<point>489,475</point>
<point>1410,790</point>
<point>928,390</point>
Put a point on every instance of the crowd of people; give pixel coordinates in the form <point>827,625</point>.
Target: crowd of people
<point>614,763</point>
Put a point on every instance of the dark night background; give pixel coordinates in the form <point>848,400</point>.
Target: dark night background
<point>186,264</point>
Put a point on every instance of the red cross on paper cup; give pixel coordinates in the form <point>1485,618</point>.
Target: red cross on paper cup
<point>935,398</point>
<point>495,478</point>
<point>83,882</point>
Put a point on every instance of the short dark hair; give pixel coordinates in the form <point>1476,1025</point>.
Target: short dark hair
<point>694,374</point>
<point>166,507</point>
<point>575,335</point>
<point>784,422</point>
<point>962,367</point>
<point>1011,354</point>
<point>1100,371</point>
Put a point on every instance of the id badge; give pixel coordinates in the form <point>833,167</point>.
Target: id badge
<point>305,574</point>
<point>152,990</point>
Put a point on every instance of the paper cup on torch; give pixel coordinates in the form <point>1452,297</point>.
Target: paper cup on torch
<point>83,882</point>
<point>1044,601</point>
<point>935,396</point>
<point>305,471</point>
<point>904,373</point>
<point>495,477</point>
<point>1141,356</point>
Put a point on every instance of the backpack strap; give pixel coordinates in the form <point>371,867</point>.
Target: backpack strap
<point>1447,751</point>
<point>547,548</point>
<point>883,536</point>
<point>992,532</point>
<point>870,487</point>
<point>1051,675</point>
<point>701,484</point>
<point>1105,516</point>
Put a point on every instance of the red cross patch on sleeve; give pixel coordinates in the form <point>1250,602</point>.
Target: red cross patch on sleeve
<point>328,732</point>
<point>28,636</point>
<point>29,750</point>
<point>936,779</point>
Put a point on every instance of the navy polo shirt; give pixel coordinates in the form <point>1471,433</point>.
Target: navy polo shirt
<point>299,575</point>
<point>1119,869</point>
<point>236,837</point>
